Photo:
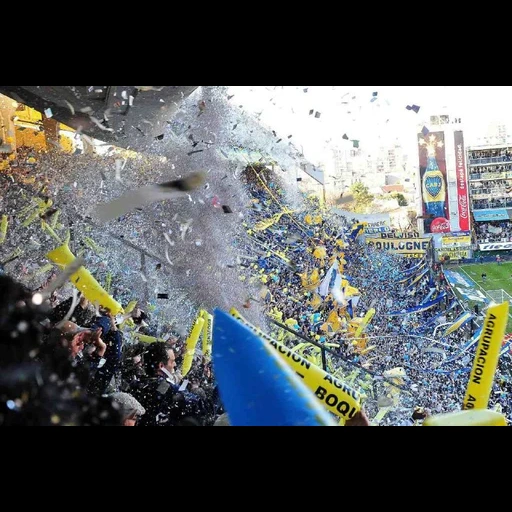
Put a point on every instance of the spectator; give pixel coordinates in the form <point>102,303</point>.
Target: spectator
<point>129,408</point>
<point>159,393</point>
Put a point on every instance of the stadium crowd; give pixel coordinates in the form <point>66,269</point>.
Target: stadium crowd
<point>66,362</point>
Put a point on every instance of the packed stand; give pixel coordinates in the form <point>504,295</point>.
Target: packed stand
<point>494,232</point>
<point>72,365</point>
<point>490,156</point>
<point>492,172</point>
<point>433,380</point>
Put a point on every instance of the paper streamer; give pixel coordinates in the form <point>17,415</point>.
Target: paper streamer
<point>486,358</point>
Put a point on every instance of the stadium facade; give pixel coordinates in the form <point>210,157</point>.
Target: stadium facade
<point>490,184</point>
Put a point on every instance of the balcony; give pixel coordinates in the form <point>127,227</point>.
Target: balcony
<point>490,176</point>
<point>482,204</point>
<point>490,161</point>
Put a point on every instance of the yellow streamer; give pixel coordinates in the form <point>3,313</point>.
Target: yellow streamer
<point>46,227</point>
<point>15,254</point>
<point>131,306</point>
<point>31,219</point>
<point>475,418</point>
<point>26,209</point>
<point>3,228</point>
<point>207,333</point>
<point>44,270</point>
<point>84,281</point>
<point>108,282</point>
<point>191,345</point>
<point>380,416</point>
<point>486,359</point>
<point>93,245</point>
<point>55,219</point>
<point>147,339</point>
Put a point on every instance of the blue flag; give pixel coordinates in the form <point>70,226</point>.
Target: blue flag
<point>257,387</point>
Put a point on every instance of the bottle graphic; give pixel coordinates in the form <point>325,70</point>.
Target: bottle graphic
<point>434,185</point>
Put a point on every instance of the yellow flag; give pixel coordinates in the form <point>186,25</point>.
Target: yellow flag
<point>304,278</point>
<point>320,253</point>
<point>316,301</point>
<point>351,292</point>
<point>335,321</point>
<point>315,277</point>
<point>367,319</point>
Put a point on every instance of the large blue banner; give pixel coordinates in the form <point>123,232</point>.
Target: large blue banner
<point>465,286</point>
<point>473,295</point>
<point>456,279</point>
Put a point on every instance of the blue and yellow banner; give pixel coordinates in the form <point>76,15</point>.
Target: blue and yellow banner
<point>411,275</point>
<point>421,308</point>
<point>414,269</point>
<point>418,278</point>
<point>429,296</point>
<point>459,323</point>
<point>357,230</point>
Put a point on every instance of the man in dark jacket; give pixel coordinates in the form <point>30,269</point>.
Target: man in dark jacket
<point>166,403</point>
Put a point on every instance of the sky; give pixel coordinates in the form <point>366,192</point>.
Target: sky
<point>349,110</point>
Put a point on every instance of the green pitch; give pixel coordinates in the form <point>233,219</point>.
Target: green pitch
<point>499,277</point>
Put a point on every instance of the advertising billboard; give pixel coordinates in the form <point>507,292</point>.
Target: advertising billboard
<point>377,223</point>
<point>433,173</point>
<point>491,215</point>
<point>454,254</point>
<point>413,248</point>
<point>452,242</point>
<point>462,182</point>
<point>497,246</point>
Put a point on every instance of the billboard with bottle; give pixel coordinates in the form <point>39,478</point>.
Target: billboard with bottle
<point>432,153</point>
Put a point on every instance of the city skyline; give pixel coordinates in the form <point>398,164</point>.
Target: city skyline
<point>376,121</point>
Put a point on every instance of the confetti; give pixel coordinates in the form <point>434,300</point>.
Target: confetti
<point>146,196</point>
